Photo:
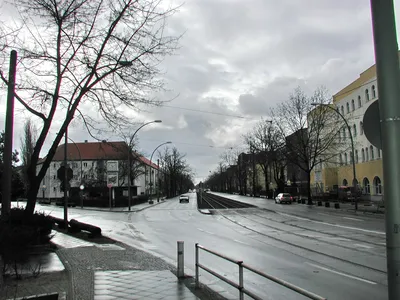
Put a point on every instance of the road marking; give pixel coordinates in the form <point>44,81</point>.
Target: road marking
<point>205,231</point>
<point>363,246</point>
<point>334,225</point>
<point>240,242</point>
<point>340,273</point>
<point>324,214</point>
<point>348,218</point>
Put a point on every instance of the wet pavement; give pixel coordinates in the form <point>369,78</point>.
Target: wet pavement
<point>132,285</point>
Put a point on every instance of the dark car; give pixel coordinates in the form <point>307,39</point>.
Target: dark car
<point>183,198</point>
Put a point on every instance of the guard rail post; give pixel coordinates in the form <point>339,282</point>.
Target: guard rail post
<point>241,294</point>
<point>181,272</point>
<point>197,265</point>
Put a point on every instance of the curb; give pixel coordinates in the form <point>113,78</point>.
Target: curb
<point>120,211</point>
<point>204,211</point>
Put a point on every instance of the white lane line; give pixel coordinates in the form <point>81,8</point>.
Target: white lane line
<point>340,273</point>
<point>354,219</point>
<point>324,214</point>
<point>334,225</point>
<point>205,231</point>
<point>363,246</point>
<point>240,242</point>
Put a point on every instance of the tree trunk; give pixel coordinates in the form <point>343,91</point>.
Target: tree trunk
<point>31,197</point>
<point>266,184</point>
<point>309,188</point>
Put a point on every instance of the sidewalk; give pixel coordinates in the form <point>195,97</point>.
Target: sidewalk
<point>134,208</point>
<point>102,268</point>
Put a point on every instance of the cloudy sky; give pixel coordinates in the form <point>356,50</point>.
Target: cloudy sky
<point>237,60</point>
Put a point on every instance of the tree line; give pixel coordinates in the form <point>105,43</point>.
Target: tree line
<point>302,133</point>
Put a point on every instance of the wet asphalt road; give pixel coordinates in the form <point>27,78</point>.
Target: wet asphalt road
<point>335,254</point>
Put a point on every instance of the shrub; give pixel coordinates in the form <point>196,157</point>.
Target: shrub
<point>17,236</point>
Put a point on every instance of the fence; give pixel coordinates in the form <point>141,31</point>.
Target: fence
<point>240,285</point>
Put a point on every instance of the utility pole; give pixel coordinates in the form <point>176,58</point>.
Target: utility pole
<point>388,76</point>
<point>8,137</point>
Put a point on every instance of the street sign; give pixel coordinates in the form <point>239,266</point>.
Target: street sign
<point>43,187</point>
<point>61,173</point>
<point>109,185</point>
<point>372,125</point>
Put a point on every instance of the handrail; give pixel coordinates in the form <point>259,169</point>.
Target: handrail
<point>242,266</point>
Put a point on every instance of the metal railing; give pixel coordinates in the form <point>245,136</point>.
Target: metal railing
<point>240,285</point>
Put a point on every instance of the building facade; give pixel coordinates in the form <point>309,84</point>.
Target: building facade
<point>97,165</point>
<point>352,102</point>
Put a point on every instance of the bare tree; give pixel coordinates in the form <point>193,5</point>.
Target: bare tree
<point>177,173</point>
<point>265,141</point>
<point>27,148</point>
<point>105,53</point>
<point>311,133</point>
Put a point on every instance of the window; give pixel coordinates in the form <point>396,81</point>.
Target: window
<point>340,159</point>
<point>366,186</point>
<point>54,177</point>
<point>366,154</point>
<point>373,92</point>
<point>356,156</point>
<point>366,95</point>
<point>363,155</point>
<point>344,133</point>
<point>54,189</point>
<point>348,107</point>
<point>353,106</point>
<point>342,110</point>
<point>345,158</point>
<point>371,150</point>
<point>379,153</point>
<point>85,164</point>
<point>361,128</point>
<point>354,130</point>
<point>359,102</point>
<point>355,182</point>
<point>377,185</point>
<point>345,183</point>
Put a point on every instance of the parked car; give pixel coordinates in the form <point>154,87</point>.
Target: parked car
<point>183,198</point>
<point>284,198</point>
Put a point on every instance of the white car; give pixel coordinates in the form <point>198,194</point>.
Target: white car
<point>284,198</point>
<point>183,198</point>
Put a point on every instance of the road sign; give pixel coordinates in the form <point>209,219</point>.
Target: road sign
<point>372,125</point>
<point>61,173</point>
<point>109,185</point>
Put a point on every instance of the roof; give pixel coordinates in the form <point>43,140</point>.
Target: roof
<point>364,77</point>
<point>97,151</point>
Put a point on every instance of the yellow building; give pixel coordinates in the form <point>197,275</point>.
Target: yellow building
<point>352,102</point>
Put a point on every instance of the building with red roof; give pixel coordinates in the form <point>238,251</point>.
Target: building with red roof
<point>97,165</point>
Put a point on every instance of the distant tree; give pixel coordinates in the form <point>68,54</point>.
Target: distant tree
<point>28,142</point>
<point>102,53</point>
<point>266,141</point>
<point>177,173</point>
<point>311,132</point>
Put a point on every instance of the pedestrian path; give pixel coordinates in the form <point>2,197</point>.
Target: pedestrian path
<point>132,285</point>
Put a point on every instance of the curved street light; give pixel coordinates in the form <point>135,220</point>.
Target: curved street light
<point>151,158</point>
<point>129,160</point>
<point>352,147</point>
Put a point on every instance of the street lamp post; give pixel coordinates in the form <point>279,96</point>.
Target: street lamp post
<point>352,149</point>
<point>151,158</point>
<point>129,160</point>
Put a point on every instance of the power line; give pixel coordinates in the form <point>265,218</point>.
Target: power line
<point>207,112</point>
